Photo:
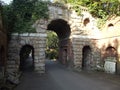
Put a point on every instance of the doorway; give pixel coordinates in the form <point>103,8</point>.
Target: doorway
<point>27,58</point>
<point>87,58</point>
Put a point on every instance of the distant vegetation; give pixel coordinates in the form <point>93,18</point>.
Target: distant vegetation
<point>52,45</point>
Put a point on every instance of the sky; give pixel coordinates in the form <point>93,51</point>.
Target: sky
<point>7,1</point>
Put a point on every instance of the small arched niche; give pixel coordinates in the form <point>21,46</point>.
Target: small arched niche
<point>110,26</point>
<point>111,52</point>
<point>86,21</point>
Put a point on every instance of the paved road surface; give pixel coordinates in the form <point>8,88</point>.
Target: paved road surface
<point>58,77</point>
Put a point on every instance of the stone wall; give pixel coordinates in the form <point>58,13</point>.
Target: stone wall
<point>79,42</point>
<point>36,40</point>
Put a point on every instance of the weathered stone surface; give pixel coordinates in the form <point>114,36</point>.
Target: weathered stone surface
<point>83,35</point>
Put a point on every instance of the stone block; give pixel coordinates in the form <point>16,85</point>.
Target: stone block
<point>11,62</point>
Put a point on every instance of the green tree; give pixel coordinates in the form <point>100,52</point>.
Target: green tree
<point>21,14</point>
<point>52,45</point>
<point>101,9</point>
<point>98,8</point>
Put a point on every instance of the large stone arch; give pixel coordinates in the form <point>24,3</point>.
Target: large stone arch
<point>62,29</point>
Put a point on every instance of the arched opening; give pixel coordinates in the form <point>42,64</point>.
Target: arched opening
<point>111,52</point>
<point>62,29</point>
<point>2,61</point>
<point>110,26</point>
<point>86,21</point>
<point>26,58</point>
<point>87,58</point>
<point>110,59</point>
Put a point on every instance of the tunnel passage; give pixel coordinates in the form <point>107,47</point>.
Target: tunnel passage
<point>26,58</point>
<point>62,29</point>
<point>87,58</point>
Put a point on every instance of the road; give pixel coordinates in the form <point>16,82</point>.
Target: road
<point>57,77</point>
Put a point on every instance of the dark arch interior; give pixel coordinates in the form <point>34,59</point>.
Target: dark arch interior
<point>86,57</point>
<point>2,56</point>
<point>61,27</point>
<point>86,21</point>
<point>2,60</point>
<point>27,58</point>
<point>110,25</point>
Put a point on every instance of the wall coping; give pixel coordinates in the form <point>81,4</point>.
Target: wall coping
<point>85,37</point>
<point>30,34</point>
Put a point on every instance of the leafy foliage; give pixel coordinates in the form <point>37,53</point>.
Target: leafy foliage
<point>52,45</point>
<point>98,8</point>
<point>21,14</point>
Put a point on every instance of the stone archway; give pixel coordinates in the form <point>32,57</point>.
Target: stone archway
<point>63,31</point>
<point>87,58</point>
<point>26,58</point>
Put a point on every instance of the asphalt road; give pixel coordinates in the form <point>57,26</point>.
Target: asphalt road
<point>57,77</point>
